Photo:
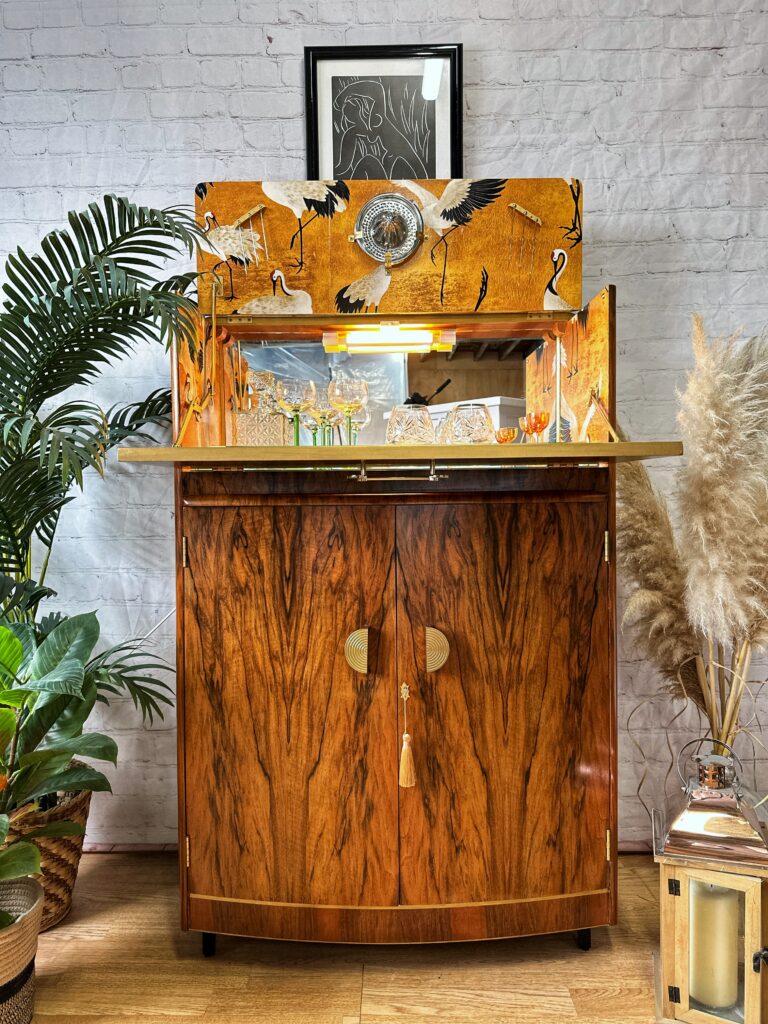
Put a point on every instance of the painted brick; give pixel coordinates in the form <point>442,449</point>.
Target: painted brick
<point>263,72</point>
<point>100,12</point>
<point>139,12</point>
<point>142,75</point>
<point>55,42</point>
<point>180,72</point>
<point>21,78</point>
<point>110,106</point>
<point>61,13</point>
<point>80,75</point>
<point>147,41</point>
<point>22,15</point>
<point>192,103</point>
<point>25,108</point>
<point>220,74</point>
<point>66,138</point>
<point>228,40</point>
<point>14,45</point>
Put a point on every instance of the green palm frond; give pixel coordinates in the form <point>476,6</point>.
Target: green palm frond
<point>135,238</point>
<point>128,668</point>
<point>130,420</point>
<point>67,339</point>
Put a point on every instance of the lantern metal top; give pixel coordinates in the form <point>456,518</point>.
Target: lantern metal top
<point>721,820</point>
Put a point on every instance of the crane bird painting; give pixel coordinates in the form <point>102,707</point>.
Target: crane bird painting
<point>323,198</point>
<point>233,242</point>
<point>443,214</point>
<point>552,300</point>
<point>364,293</point>
<point>289,301</point>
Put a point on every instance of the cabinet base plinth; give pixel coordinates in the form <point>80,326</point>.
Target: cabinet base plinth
<point>401,924</point>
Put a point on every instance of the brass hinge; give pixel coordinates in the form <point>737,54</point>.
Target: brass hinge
<point>186,849</point>
<point>184,562</point>
<point>607,844</point>
<point>607,550</point>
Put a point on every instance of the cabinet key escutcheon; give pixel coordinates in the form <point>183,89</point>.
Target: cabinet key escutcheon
<point>438,648</point>
<point>356,650</point>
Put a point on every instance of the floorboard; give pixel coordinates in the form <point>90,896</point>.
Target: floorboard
<point>120,958</point>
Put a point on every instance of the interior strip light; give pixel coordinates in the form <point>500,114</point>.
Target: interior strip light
<point>389,338</point>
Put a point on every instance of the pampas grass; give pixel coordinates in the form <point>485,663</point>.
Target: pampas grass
<point>699,605</point>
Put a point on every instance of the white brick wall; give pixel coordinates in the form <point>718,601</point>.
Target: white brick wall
<point>662,113</point>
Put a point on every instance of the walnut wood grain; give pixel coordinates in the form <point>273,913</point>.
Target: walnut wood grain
<point>291,758</point>
<point>511,738</point>
<point>400,924</point>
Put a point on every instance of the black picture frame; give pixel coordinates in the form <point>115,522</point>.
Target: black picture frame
<point>315,55</point>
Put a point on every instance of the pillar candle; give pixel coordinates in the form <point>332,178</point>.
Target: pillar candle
<point>713,944</point>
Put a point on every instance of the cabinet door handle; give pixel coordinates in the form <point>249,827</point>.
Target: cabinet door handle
<point>356,650</point>
<point>438,648</point>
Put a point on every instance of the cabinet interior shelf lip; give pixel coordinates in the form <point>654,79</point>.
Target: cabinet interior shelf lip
<point>444,456</point>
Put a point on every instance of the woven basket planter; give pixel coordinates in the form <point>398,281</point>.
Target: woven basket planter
<point>60,856</point>
<point>23,897</point>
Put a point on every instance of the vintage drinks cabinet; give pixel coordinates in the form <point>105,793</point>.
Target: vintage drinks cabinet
<point>313,582</point>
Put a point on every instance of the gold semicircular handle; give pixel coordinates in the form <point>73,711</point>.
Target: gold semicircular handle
<point>356,650</point>
<point>438,649</point>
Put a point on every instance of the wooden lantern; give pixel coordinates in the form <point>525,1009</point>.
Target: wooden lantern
<point>714,902</point>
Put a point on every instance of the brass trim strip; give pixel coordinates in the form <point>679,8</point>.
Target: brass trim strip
<point>400,906</point>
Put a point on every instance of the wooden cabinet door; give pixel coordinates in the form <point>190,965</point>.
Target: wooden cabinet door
<point>512,736</point>
<point>290,756</point>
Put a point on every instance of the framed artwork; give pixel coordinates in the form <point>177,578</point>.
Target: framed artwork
<point>383,112</point>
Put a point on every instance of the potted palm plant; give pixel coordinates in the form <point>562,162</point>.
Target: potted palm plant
<point>90,294</point>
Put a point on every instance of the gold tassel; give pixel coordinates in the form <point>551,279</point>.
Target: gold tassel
<point>407,768</point>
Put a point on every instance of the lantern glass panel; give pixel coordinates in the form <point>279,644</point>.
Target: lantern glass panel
<point>716,950</point>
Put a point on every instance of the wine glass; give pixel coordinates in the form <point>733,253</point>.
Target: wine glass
<point>526,428</point>
<point>542,422</point>
<point>360,421</point>
<point>348,395</point>
<point>322,412</point>
<point>506,435</point>
<point>295,397</point>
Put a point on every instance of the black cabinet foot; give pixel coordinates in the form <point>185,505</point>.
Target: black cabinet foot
<point>209,944</point>
<point>584,939</point>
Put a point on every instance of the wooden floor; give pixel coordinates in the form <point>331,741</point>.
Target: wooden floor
<point>120,957</point>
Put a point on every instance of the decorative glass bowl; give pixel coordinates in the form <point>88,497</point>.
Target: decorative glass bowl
<point>410,424</point>
<point>468,423</point>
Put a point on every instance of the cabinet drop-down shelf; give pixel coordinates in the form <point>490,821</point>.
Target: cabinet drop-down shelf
<point>437,458</point>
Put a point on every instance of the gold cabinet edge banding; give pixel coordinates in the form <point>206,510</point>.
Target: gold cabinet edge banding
<point>399,906</point>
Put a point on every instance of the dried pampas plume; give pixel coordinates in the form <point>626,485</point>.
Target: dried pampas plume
<point>655,610</point>
<point>700,603</point>
<point>723,488</point>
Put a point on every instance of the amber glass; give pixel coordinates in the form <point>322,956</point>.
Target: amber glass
<point>506,435</point>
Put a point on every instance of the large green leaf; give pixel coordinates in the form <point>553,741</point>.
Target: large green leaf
<point>41,721</point>
<point>71,780</point>
<point>7,729</point>
<point>58,665</point>
<point>90,744</point>
<point>73,716</point>
<point>5,823</point>
<point>18,860</point>
<point>11,654</point>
